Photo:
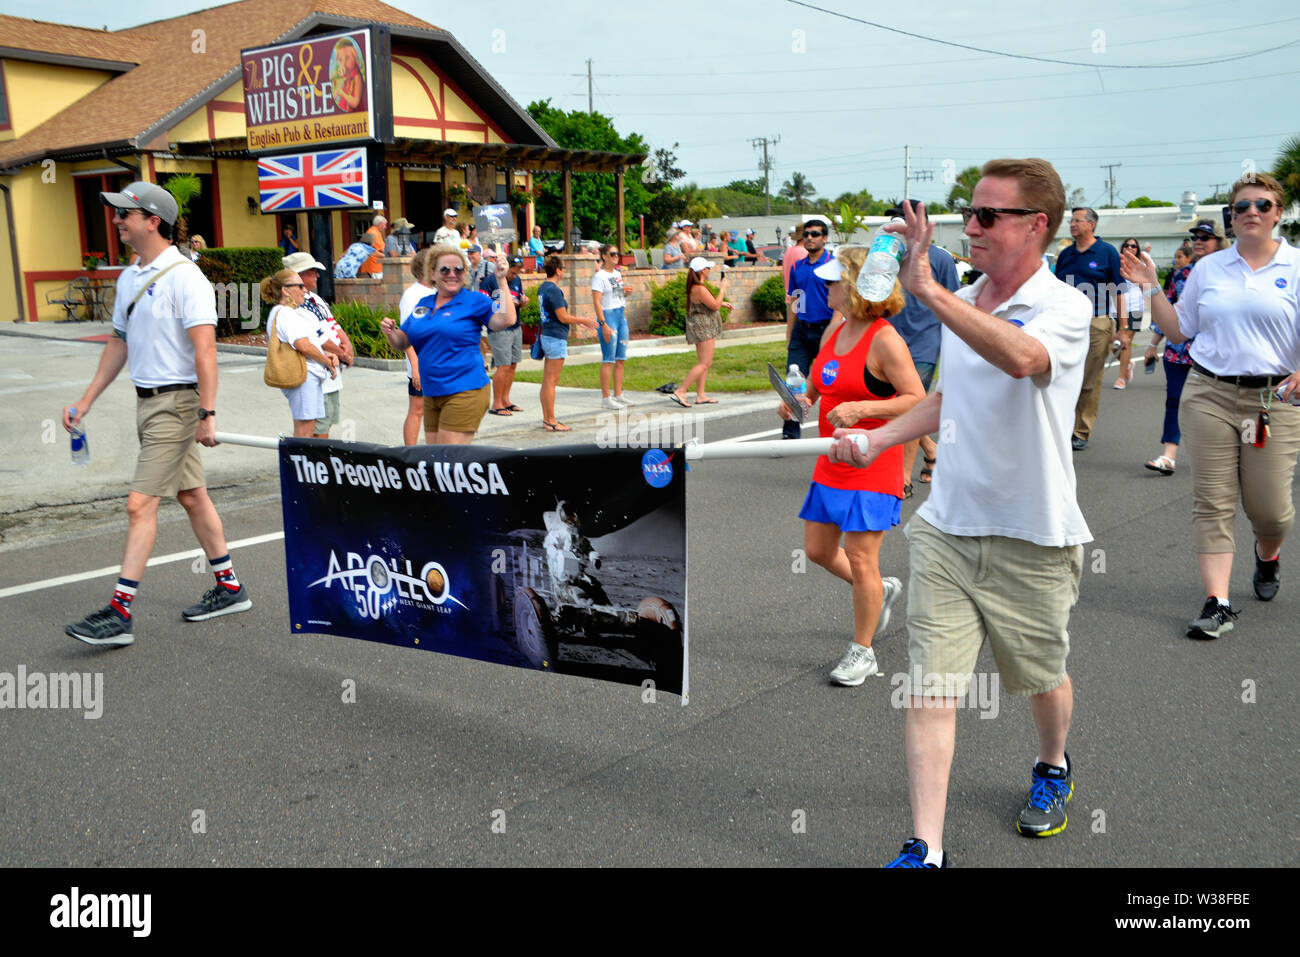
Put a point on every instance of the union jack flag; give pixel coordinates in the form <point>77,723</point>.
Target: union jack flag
<point>313,180</point>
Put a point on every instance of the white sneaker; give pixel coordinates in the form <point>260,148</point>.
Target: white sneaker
<point>893,588</point>
<point>624,400</point>
<point>855,666</point>
<point>609,402</point>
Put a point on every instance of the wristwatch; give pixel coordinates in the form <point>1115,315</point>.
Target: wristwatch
<point>204,413</point>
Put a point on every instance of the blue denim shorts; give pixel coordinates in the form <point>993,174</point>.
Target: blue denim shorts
<point>553,347</point>
<point>616,348</point>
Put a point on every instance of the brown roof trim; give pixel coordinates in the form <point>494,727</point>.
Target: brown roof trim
<point>66,59</point>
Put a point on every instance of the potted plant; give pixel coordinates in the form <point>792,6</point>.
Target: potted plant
<point>522,195</point>
<point>530,316</point>
<point>93,260</point>
<point>457,195</point>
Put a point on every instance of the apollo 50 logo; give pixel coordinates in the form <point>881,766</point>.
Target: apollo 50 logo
<point>380,584</point>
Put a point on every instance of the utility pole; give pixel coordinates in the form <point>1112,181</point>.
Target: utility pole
<point>590,109</point>
<point>1215,190</point>
<point>766,167</point>
<point>1110,180</point>
<point>909,176</point>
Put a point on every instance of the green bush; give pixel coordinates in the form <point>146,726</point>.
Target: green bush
<point>361,323</point>
<point>769,299</point>
<point>668,306</point>
<point>239,265</point>
<point>530,314</point>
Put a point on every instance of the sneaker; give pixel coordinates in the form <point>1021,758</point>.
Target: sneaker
<point>104,627</point>
<point>913,855</point>
<point>1044,813</point>
<point>217,601</point>
<point>1077,443</point>
<point>1267,579</point>
<point>623,400</point>
<point>893,588</point>
<point>856,665</point>
<point>609,402</point>
<point>1213,621</point>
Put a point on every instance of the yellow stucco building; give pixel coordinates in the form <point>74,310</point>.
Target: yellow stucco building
<point>88,110</point>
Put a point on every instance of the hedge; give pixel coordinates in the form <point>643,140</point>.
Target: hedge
<point>361,323</point>
<point>668,306</point>
<point>245,267</point>
<point>769,299</point>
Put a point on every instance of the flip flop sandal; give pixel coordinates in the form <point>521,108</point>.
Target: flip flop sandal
<point>512,407</point>
<point>504,410</point>
<point>673,396</point>
<point>1162,464</point>
<point>556,427</point>
<point>927,471</point>
<point>706,401</point>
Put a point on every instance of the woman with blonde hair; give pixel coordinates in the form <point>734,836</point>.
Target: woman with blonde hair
<point>863,375</point>
<point>445,329</point>
<point>421,268</point>
<point>292,325</point>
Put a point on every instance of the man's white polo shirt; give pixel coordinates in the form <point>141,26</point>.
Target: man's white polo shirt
<point>1246,322</point>
<point>157,346</point>
<point>1005,462</point>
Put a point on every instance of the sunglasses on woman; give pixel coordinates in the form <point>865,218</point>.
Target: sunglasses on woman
<point>1132,246</point>
<point>449,270</point>
<point>988,215</point>
<point>1241,206</point>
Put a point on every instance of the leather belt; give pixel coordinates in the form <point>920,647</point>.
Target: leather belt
<point>1242,381</point>
<point>150,393</point>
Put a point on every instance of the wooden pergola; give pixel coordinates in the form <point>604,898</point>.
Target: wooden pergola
<point>443,155</point>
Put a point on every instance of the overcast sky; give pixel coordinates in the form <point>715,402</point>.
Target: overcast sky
<point>1181,93</point>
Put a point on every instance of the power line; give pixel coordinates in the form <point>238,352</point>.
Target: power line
<point>1041,59</point>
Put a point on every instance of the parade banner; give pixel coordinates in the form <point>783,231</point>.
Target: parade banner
<point>570,560</point>
<point>309,92</point>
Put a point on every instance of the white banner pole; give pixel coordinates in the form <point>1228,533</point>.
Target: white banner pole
<point>253,441</point>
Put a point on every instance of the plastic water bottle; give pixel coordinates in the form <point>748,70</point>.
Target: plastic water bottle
<point>80,446</point>
<point>884,259</point>
<point>795,380</point>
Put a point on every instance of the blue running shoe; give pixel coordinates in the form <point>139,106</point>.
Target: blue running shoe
<point>913,855</point>
<point>1044,813</point>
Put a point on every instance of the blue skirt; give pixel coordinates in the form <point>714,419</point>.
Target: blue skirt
<point>851,511</point>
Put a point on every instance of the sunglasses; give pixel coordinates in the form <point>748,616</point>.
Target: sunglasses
<point>988,215</point>
<point>813,232</point>
<point>1242,206</point>
<point>449,270</point>
<point>1202,237</point>
<point>1129,246</point>
<point>290,285</point>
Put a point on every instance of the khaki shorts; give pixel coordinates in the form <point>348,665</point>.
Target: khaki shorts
<point>965,589</point>
<point>458,412</point>
<point>331,416</point>
<point>169,457</point>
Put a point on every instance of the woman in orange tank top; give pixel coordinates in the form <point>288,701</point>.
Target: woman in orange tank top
<point>863,375</point>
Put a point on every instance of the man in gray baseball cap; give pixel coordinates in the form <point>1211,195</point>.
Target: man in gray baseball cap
<point>150,197</point>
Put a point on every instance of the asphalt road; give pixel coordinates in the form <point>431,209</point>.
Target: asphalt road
<point>246,723</point>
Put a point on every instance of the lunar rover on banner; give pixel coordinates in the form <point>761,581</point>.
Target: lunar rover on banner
<point>550,606</point>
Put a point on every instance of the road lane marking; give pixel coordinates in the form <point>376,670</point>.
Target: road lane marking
<point>115,569</point>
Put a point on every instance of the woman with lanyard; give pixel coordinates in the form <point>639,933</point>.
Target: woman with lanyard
<point>1241,305</point>
<point>445,330</point>
<point>863,375</point>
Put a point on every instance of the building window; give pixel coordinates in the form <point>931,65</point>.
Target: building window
<point>4,101</point>
<point>97,232</point>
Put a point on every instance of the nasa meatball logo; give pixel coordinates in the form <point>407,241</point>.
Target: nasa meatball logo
<point>1092,264</point>
<point>657,467</point>
<point>1279,282</point>
<point>829,372</point>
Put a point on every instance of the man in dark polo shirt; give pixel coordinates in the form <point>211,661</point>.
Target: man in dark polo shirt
<point>1091,265</point>
<point>808,314</point>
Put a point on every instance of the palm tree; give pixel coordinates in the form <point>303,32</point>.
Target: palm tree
<point>1287,168</point>
<point>963,187</point>
<point>798,190</point>
<point>184,188</point>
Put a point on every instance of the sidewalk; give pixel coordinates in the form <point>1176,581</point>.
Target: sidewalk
<point>45,366</point>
